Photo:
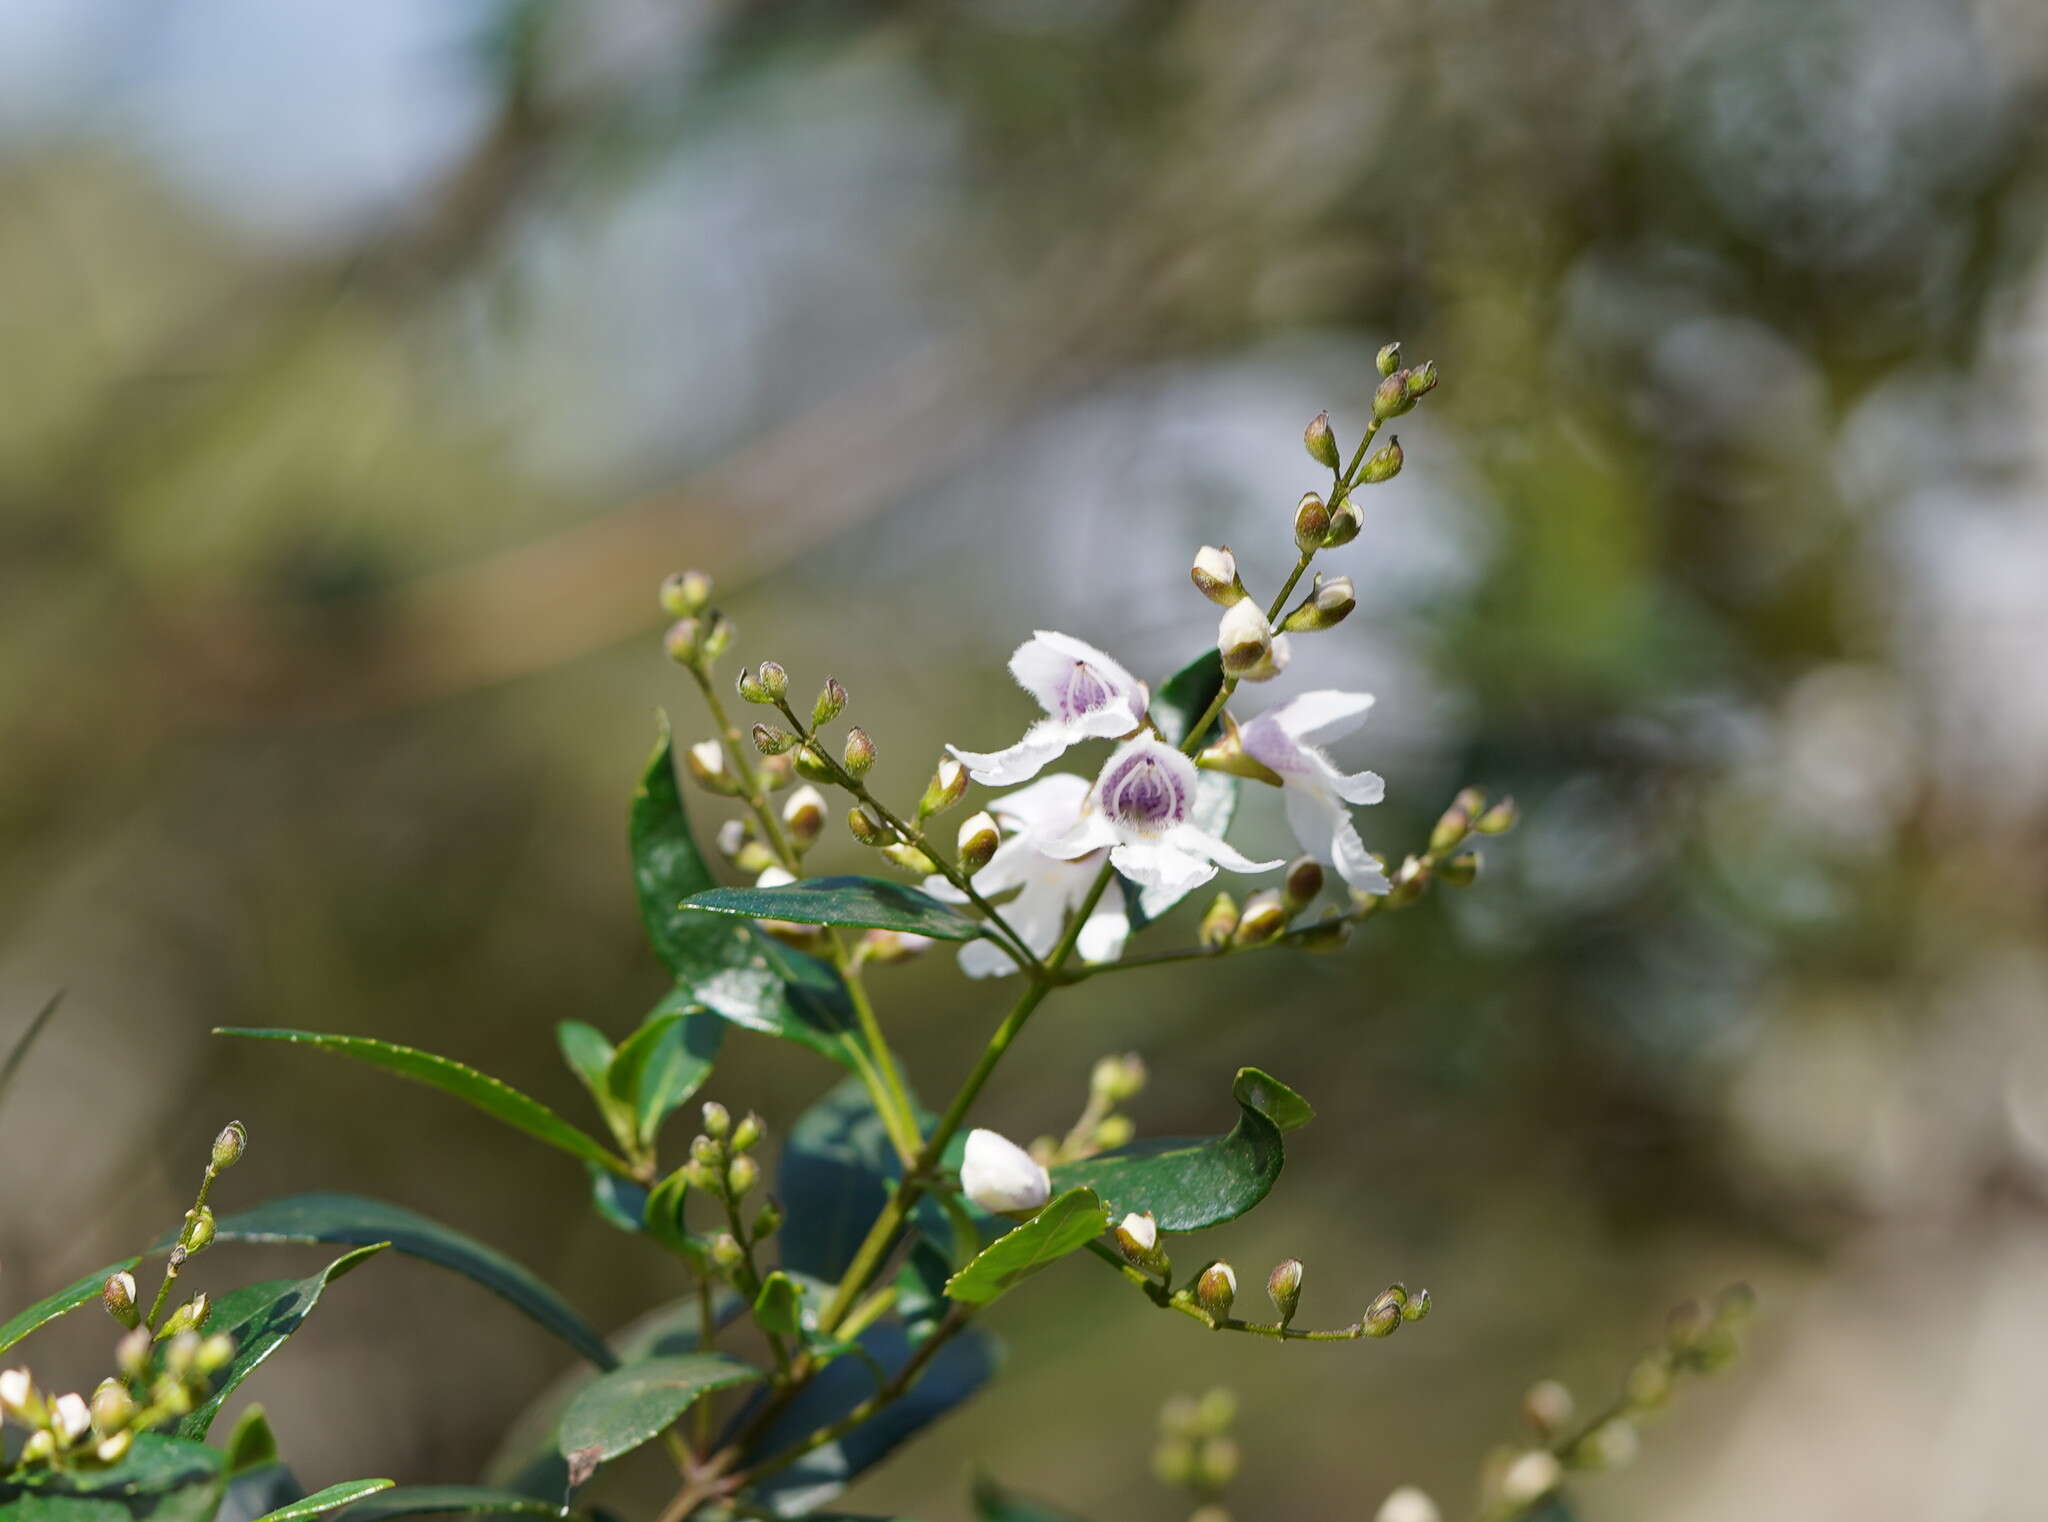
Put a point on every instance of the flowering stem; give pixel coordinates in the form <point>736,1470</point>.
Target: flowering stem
<point>1184,1302</point>
<point>178,1253</point>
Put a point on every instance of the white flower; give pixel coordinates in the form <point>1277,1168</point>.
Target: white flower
<point>1000,1176</point>
<point>1287,740</point>
<point>1141,807</point>
<point>1251,651</point>
<point>1087,696</point>
<point>71,1416</point>
<point>1049,887</point>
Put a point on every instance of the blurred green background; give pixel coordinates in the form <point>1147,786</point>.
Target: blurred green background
<point>363,366</point>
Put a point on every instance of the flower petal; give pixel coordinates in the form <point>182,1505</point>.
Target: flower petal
<point>986,959</point>
<point>1197,841</point>
<point>1043,742</point>
<point>1162,865</point>
<point>1072,679</point>
<point>1051,803</point>
<point>1091,833</point>
<point>1354,864</point>
<point>1316,718</point>
<point>1103,936</point>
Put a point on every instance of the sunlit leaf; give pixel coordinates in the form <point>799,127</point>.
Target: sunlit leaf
<point>442,1500</point>
<point>162,1479</point>
<point>617,1412</point>
<point>1068,1223</point>
<point>331,1499</point>
<point>779,1306</point>
<point>871,902</point>
<point>660,1066</point>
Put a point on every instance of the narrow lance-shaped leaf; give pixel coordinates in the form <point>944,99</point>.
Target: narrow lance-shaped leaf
<point>1067,1224</point>
<point>333,1498</point>
<point>1190,1184</point>
<point>445,1500</point>
<point>18,1053</point>
<point>871,902</point>
<point>660,1066</point>
<point>615,1414</point>
<point>62,1303</point>
<point>493,1096</point>
<point>259,1317</point>
<point>347,1218</point>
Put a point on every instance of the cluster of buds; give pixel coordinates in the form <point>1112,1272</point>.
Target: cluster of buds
<point>1392,1308</point>
<point>1196,1452</point>
<point>1450,858</point>
<point>722,1165</point>
<point>1270,913</point>
<point>700,633</point>
<point>1113,1082</point>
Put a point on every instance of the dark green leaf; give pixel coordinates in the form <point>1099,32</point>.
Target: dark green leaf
<point>251,1443</point>
<point>621,1202</point>
<point>871,902</point>
<point>1189,1184</point>
<point>352,1219</point>
<point>1186,695</point>
<point>331,1499</point>
<point>779,1306</point>
<point>661,1065</point>
<point>259,1317</point>
<point>836,1173</point>
<point>18,1053</point>
<point>1067,1224</point>
<point>439,1500</point>
<point>992,1503</point>
<point>162,1479</point>
<point>619,1411</point>
<point>495,1098</point>
<point>65,1301</point>
<point>955,1372</point>
<point>257,1491</point>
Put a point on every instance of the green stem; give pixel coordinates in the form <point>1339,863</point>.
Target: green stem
<point>176,1263</point>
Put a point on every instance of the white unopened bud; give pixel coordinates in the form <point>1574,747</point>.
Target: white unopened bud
<point>1251,652</point>
<point>114,1447</point>
<point>1531,1476</point>
<point>1407,1504</point>
<point>1311,521</point>
<point>947,787</point>
<point>1215,575</point>
<point>1547,1407</point>
<point>1000,1176</point>
<point>978,839</point>
<point>1216,1290</point>
<point>71,1417</point>
<point>1138,1236</point>
<point>1345,524</point>
<point>804,814</point>
<point>1327,606</point>
<point>17,1392</point>
<point>705,762</point>
<point>118,1296</point>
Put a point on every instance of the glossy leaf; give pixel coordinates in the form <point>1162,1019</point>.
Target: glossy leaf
<point>353,1219</point>
<point>1190,1184</point>
<point>495,1098</point>
<point>1068,1223</point>
<point>619,1411</point>
<point>442,1500</point>
<point>162,1479</point>
<point>259,1317</point>
<point>955,1373</point>
<point>588,1053</point>
<point>333,1498</point>
<point>258,1491</point>
<point>994,1503</point>
<point>620,1202</point>
<point>870,902</point>
<point>660,1066</point>
<point>835,1175</point>
<point>17,1054</point>
<point>251,1442</point>
<point>724,965</point>
<point>62,1303</point>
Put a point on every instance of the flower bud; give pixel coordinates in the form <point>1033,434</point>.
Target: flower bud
<point>1421,380</point>
<point>229,1146</point>
<point>1383,464</point>
<point>1388,360</point>
<point>705,762</point>
<point>199,1230</point>
<point>113,1408</point>
<point>1113,1132</point>
<point>718,636</point>
<point>1216,1289</point>
<point>1391,399</point>
<point>707,1150</point>
<point>767,1220</point>
<point>1734,1305</point>
<point>717,1124</point>
<point>774,680</point>
<point>1173,1462</point>
<point>1328,605</point>
<point>1530,1476</point>
<point>1216,1410</point>
<point>1217,1462</point>
<point>18,1396</point>
<point>1611,1445</point>
<point>747,1134</point>
<point>804,815</point>
<point>189,1317</point>
<point>726,1251</point>
<point>1264,917</point>
<point>742,1176</point>
<point>749,687</point>
<point>947,787</point>
<point>1215,575</point>
<point>1000,1176</point>
<point>886,947</point>
<point>114,1447</point>
<point>1407,1504</point>
<point>1303,882</point>
<point>1649,1383</point>
<point>978,840</point>
<point>1459,871</point>
<point>1219,922</point>
<point>1499,819</point>
<point>40,1448</point>
<point>131,1353</point>
<point>1455,823</point>
<point>1138,1237</point>
<point>685,593</point>
<point>811,765</point>
<point>118,1296</point>
<point>910,859</point>
<point>1117,1080</point>
<point>1417,1306</point>
<point>683,641</point>
<point>1245,640</point>
<point>1547,1408</point>
<point>831,703</point>
<point>771,741</point>
<point>859,753</point>
<point>1383,1317</point>
<point>1321,440</point>
<point>1283,1286</point>
<point>864,828</point>
<point>1345,524</point>
<point>1311,522</point>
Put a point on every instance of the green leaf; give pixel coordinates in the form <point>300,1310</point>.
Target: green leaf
<point>439,1500</point>
<point>871,902</point>
<point>993,1503</point>
<point>353,1219</point>
<point>728,967</point>
<point>1190,1184</point>
<point>259,1318</point>
<point>589,1055</point>
<point>780,1305</point>
<point>18,1053</point>
<point>65,1301</point>
<point>961,1367</point>
<point>330,1499</point>
<point>1068,1223</point>
<point>251,1443</point>
<point>161,1479</point>
<point>660,1066</point>
<point>495,1098</point>
<point>836,1173</point>
<point>619,1411</point>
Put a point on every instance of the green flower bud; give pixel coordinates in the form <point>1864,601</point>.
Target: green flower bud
<point>1391,398</point>
<point>1611,1445</point>
<point>910,859</point>
<point>749,687</point>
<point>114,1447</point>
<point>771,741</point>
<point>685,593</point>
<point>947,787</point>
<point>1283,1287</point>
<point>864,828</point>
<point>199,1230</point>
<point>1217,1462</point>
<point>1311,521</point>
<point>1328,605</point>
<point>214,1354</point>
<point>774,680</point>
<point>811,765</point>
<point>1649,1382</point>
<point>1118,1080</point>
<point>1345,524</point>
<point>1219,922</point>
<point>1455,823</point>
<point>118,1296</point>
<point>1383,1317</point>
<point>1388,360</point>
<point>979,836</point>
<point>1114,1131</point>
<point>726,1251</point>
<point>742,1176</point>
<point>181,1353</point>
<point>1417,1306</point>
<point>859,753</point>
<point>1217,1410</point>
<point>1421,380</point>
<point>705,762</point>
<point>804,816</point>
<point>1264,917</point>
<point>717,1122</point>
<point>831,703</point>
<point>131,1353</point>
<point>683,641</point>
<point>1321,441</point>
<point>708,1151</point>
<point>1215,575</point>
<point>718,636</point>
<point>767,1220</point>
<point>747,1134</point>
<point>1173,1462</point>
<point>41,1447</point>
<point>1499,819</point>
<point>1383,464</point>
<point>1216,1289</point>
<point>229,1146</point>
